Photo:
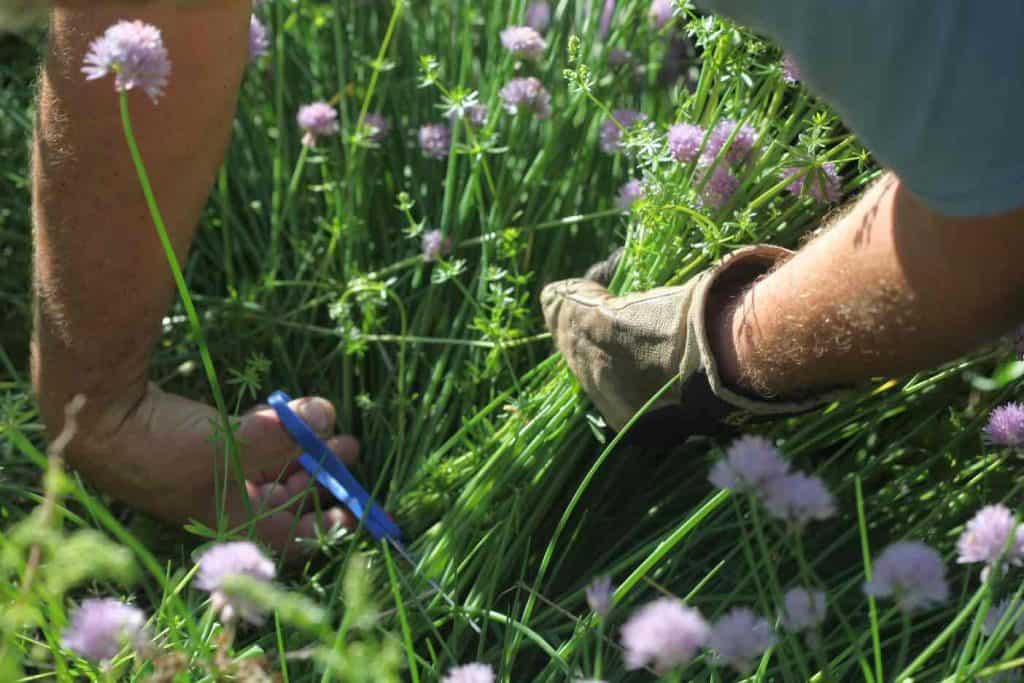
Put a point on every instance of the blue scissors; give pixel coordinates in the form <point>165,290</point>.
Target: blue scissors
<point>331,473</point>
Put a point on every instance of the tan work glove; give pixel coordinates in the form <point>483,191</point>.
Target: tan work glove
<point>625,349</point>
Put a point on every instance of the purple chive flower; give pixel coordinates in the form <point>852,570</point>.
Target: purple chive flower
<point>750,463</point>
<point>599,595</point>
<point>225,560</point>
<point>684,141</point>
<point>474,114</point>
<point>742,143</point>
<point>790,69</point>
<point>607,12</point>
<point>740,637</point>
<point>134,52</point>
<point>719,188</point>
<point>798,498</point>
<point>802,609</point>
<point>629,194</point>
<point>259,41</point>
<point>523,41</point>
<point>660,13</point>
<point>618,57</point>
<point>376,126</point>
<point>435,245</point>
<point>100,627</point>
<point>1006,426</point>
<point>526,95</point>
<point>538,16</point>
<point>912,574</point>
<point>611,134</point>
<point>317,120</point>
<point>435,140</point>
<point>663,633</point>
<point>987,535</point>
<point>821,182</point>
<point>470,673</point>
<point>997,613</point>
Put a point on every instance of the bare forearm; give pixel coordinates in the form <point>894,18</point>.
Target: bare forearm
<point>102,281</point>
<point>892,288</point>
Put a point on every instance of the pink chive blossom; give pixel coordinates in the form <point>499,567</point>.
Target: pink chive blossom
<point>997,613</point>
<point>664,634</point>
<point>629,194</point>
<point>435,245</point>
<point>790,69</point>
<point>912,574</point>
<point>101,627</point>
<point>611,133</point>
<point>134,52</point>
<point>523,41</point>
<point>475,115</point>
<point>802,609</point>
<point>317,120</point>
<point>798,499</point>
<point>470,673</point>
<point>719,188</point>
<point>986,536</point>
<point>619,57</point>
<point>684,141</point>
<point>526,95</point>
<point>1006,426</point>
<point>599,595</point>
<point>740,637</point>
<point>435,140</point>
<point>742,142</point>
<point>376,126</point>
<point>660,13</point>
<point>259,41</point>
<point>750,463</point>
<point>220,562</point>
<point>821,182</point>
<point>538,16</point>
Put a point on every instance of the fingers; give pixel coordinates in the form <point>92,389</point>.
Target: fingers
<point>345,447</point>
<point>314,524</point>
<point>294,508</point>
<point>267,446</point>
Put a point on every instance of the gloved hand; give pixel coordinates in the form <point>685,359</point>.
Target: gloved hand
<point>625,349</point>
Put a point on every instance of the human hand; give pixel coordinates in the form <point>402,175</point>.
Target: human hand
<point>625,349</point>
<point>161,459</point>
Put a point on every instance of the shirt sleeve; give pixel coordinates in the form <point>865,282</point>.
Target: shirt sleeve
<point>932,87</point>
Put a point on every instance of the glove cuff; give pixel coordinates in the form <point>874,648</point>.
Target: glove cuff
<point>702,388</point>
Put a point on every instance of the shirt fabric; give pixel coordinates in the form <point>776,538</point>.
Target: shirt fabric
<point>932,87</point>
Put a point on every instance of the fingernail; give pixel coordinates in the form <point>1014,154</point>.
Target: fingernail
<point>316,414</point>
<point>334,517</point>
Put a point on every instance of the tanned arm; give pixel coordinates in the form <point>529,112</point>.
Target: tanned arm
<point>102,283</point>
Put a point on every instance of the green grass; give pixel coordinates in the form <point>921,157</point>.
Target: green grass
<point>307,277</point>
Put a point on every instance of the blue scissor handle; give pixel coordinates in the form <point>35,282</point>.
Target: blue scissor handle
<point>321,462</point>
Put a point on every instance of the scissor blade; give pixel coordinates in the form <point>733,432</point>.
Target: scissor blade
<point>404,552</point>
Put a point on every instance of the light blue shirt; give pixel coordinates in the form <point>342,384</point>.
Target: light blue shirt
<point>934,88</point>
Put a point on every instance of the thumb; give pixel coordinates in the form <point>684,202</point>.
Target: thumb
<point>266,444</point>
